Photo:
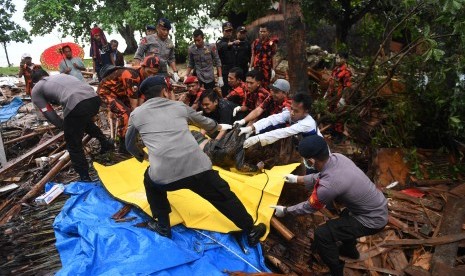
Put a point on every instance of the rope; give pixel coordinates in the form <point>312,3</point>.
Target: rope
<point>230,250</point>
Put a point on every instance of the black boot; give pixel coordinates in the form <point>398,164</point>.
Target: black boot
<point>349,251</point>
<point>85,177</point>
<point>122,146</point>
<point>106,146</point>
<point>162,230</point>
<point>258,231</point>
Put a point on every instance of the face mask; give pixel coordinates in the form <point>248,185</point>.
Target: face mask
<point>308,166</point>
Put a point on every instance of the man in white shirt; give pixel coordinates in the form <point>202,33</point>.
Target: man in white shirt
<point>287,123</point>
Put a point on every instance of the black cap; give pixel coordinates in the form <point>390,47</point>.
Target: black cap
<point>150,27</point>
<point>227,26</point>
<point>241,29</point>
<point>164,23</point>
<point>313,146</point>
<point>151,81</point>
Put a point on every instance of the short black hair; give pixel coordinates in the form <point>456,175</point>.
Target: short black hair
<point>153,91</point>
<point>343,55</point>
<point>210,94</point>
<point>238,72</point>
<point>37,75</point>
<point>303,98</point>
<point>114,41</point>
<point>197,32</point>
<point>264,26</point>
<point>256,74</point>
<point>64,47</point>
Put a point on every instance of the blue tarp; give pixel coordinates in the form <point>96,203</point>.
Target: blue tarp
<point>91,243</point>
<point>10,110</point>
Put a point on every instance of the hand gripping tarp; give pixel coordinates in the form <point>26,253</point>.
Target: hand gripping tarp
<point>91,243</point>
<point>125,182</point>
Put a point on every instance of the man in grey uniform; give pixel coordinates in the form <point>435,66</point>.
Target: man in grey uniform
<point>161,46</point>
<point>177,162</point>
<point>341,180</point>
<point>80,104</point>
<point>203,57</point>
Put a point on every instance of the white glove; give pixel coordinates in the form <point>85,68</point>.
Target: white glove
<point>273,74</point>
<point>235,110</point>
<point>200,112</point>
<point>245,130</point>
<point>279,211</point>
<point>175,77</point>
<point>94,77</point>
<point>341,102</point>
<point>251,141</point>
<point>220,82</point>
<point>225,126</point>
<point>240,122</point>
<point>290,178</point>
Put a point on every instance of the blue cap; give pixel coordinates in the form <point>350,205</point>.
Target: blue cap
<point>150,27</point>
<point>164,23</point>
<point>150,82</point>
<point>313,146</point>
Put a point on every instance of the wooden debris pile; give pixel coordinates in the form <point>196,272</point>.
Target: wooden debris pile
<point>425,234</point>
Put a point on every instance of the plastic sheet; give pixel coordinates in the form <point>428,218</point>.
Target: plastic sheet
<point>10,110</point>
<point>91,243</point>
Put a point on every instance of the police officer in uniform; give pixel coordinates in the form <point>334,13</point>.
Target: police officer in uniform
<point>226,52</point>
<point>159,45</point>
<point>203,57</point>
<point>242,50</point>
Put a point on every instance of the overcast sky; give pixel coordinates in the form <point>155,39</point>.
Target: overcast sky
<point>40,43</point>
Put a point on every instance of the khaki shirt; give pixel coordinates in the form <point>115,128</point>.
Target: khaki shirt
<point>153,45</point>
<point>203,60</point>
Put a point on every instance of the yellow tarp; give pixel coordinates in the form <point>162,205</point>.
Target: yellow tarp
<point>125,182</point>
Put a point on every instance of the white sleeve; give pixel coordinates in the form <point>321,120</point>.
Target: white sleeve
<point>272,120</point>
<point>306,125</point>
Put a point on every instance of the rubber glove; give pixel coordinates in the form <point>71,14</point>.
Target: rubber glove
<point>176,77</point>
<point>220,82</point>
<point>245,130</point>
<point>225,126</point>
<point>290,178</point>
<point>235,110</point>
<point>273,74</point>
<point>240,122</point>
<point>279,211</point>
<point>251,141</point>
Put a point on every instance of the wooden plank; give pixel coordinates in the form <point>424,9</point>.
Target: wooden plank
<point>416,271</point>
<point>426,202</point>
<point>454,215</point>
<point>397,259</point>
<point>375,269</point>
<point>8,166</point>
<point>428,242</point>
<point>459,190</point>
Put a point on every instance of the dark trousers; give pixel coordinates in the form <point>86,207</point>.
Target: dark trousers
<point>209,85</point>
<point>225,89</point>
<point>210,186</point>
<point>345,229</point>
<point>75,124</point>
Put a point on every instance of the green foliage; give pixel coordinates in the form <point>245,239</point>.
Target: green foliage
<point>9,30</point>
<point>9,71</point>
<point>76,17</point>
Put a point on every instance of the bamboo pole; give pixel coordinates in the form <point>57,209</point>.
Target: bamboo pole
<point>282,229</point>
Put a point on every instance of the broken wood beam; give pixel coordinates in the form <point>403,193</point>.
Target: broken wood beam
<point>282,229</point>
<point>451,224</point>
<point>432,182</point>
<point>426,202</point>
<point>428,242</point>
<point>21,138</point>
<point>9,165</point>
